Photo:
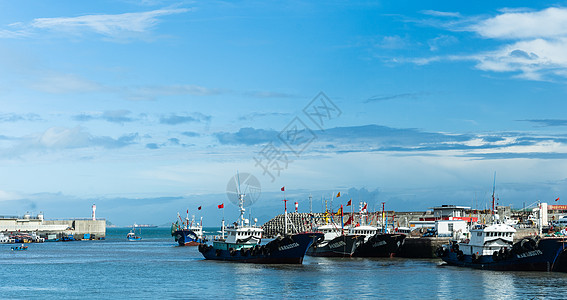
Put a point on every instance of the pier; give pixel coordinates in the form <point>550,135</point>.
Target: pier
<point>39,229</point>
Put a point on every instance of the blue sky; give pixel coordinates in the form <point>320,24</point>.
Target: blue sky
<point>147,108</point>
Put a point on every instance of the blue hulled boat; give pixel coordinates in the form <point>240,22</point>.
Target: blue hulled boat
<point>189,235</point>
<point>132,236</point>
<point>243,244</point>
<point>492,248</point>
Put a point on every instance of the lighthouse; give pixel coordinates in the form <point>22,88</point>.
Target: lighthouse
<point>94,212</point>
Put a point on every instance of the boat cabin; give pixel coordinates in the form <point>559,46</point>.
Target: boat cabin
<point>484,241</point>
<point>330,231</point>
<point>365,230</point>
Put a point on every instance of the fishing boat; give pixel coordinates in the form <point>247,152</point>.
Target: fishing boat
<point>377,242</point>
<point>19,248</point>
<point>243,244</point>
<point>492,247</point>
<point>336,243</point>
<point>132,236</point>
<point>190,234</point>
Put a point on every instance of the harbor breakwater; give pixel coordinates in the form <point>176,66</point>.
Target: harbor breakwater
<point>77,229</point>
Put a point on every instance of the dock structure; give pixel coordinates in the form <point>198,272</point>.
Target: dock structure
<point>78,229</point>
<point>415,245</point>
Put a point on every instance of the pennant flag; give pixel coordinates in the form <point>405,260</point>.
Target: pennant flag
<point>349,202</point>
<point>221,205</point>
<point>557,199</point>
<point>349,221</point>
<point>187,210</point>
<point>199,208</point>
<point>339,212</point>
<point>365,205</point>
<point>283,188</point>
<point>338,195</point>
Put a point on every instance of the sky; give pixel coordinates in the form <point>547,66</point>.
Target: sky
<point>150,108</point>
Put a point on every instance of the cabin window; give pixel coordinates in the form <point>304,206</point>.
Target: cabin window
<point>450,226</point>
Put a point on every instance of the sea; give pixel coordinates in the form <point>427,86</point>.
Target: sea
<point>156,268</point>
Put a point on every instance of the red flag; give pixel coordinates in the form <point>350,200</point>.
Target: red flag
<point>199,208</point>
<point>557,199</point>
<point>349,220</point>
<point>338,195</point>
<point>349,202</point>
<point>365,205</point>
<point>221,205</point>
<point>187,210</point>
<point>283,188</point>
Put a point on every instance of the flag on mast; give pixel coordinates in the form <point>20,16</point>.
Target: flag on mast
<point>557,199</point>
<point>338,195</point>
<point>283,188</point>
<point>221,205</point>
<point>349,202</point>
<point>199,208</point>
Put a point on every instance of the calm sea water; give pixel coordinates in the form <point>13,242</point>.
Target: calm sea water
<point>155,268</point>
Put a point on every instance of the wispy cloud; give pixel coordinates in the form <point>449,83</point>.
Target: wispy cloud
<point>66,84</point>
<point>548,122</point>
<point>378,98</point>
<point>256,115</point>
<point>113,116</point>
<point>532,45</point>
<point>376,138</point>
<point>11,117</point>
<point>247,136</point>
<point>115,26</point>
<point>441,13</point>
<point>63,138</point>
<point>176,119</point>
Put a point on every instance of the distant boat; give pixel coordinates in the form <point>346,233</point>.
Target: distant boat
<point>131,236</point>
<point>145,225</point>
<point>243,244</point>
<point>19,248</point>
<point>191,234</point>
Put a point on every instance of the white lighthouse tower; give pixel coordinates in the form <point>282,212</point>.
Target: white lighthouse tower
<point>94,212</point>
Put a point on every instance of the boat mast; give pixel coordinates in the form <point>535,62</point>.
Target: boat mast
<point>493,188</point>
<point>383,229</point>
<point>285,211</point>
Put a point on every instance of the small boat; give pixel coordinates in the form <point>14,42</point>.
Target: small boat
<point>243,244</point>
<point>131,236</point>
<point>189,235</point>
<point>19,248</point>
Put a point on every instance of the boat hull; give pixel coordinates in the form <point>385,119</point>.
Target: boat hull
<point>381,245</point>
<point>187,237</point>
<point>288,250</point>
<point>547,254</point>
<point>341,246</point>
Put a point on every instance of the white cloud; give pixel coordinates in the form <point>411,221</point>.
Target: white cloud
<point>532,45</point>
<point>548,23</point>
<point>537,59</point>
<point>109,25</point>
<point>113,26</point>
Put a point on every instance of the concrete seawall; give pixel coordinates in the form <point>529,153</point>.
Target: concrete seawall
<point>78,228</point>
<point>81,227</point>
